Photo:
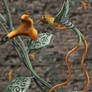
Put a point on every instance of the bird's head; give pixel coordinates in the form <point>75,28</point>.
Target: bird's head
<point>26,18</point>
<point>47,18</point>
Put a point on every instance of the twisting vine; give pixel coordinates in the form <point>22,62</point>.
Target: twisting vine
<point>83,67</point>
<point>69,69</point>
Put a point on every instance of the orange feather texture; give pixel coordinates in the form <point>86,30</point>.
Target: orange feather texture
<point>26,27</point>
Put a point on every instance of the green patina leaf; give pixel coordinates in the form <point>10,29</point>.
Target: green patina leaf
<point>42,41</point>
<point>19,84</point>
<point>63,12</point>
<point>2,18</point>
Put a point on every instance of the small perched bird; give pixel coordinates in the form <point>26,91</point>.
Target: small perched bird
<point>26,28</point>
<point>49,19</point>
<point>55,21</point>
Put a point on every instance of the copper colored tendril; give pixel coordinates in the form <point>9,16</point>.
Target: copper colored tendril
<point>83,67</point>
<point>69,78</point>
<point>82,64</point>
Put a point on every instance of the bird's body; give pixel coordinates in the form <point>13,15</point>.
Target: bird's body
<point>48,18</point>
<point>25,28</point>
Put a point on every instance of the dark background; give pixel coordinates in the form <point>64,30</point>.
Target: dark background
<point>50,62</point>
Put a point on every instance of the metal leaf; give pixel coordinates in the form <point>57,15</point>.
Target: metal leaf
<point>19,84</point>
<point>42,41</point>
<point>63,12</point>
<point>2,18</point>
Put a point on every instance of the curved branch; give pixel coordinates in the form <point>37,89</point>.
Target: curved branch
<point>69,69</point>
<point>83,67</point>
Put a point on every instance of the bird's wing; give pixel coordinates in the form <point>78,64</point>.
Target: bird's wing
<point>63,12</point>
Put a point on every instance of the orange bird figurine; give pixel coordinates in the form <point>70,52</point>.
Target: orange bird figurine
<point>26,28</point>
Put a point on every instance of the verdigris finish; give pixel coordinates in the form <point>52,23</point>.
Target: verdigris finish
<point>19,84</point>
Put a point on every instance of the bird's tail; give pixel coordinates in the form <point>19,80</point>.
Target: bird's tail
<point>4,39</point>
